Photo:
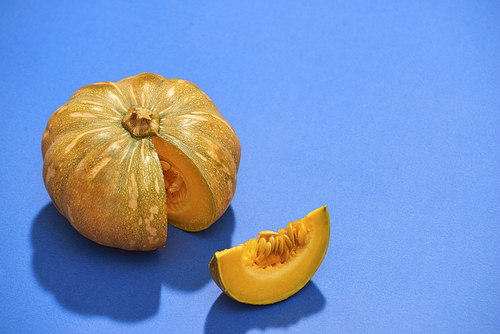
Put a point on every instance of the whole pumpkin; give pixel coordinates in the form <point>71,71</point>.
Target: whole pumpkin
<point>122,159</point>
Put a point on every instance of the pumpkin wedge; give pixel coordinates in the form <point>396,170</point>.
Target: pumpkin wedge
<point>121,160</point>
<point>275,265</point>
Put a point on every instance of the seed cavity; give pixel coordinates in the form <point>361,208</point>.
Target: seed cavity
<point>175,186</point>
<point>277,247</point>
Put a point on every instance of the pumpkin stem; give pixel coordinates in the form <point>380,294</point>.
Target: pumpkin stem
<point>141,122</point>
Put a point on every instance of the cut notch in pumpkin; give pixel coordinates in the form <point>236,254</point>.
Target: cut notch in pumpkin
<point>189,199</point>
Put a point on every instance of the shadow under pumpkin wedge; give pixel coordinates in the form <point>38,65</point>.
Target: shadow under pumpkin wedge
<point>121,160</point>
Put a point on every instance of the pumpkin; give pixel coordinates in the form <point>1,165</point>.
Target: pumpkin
<point>121,160</point>
<point>275,265</point>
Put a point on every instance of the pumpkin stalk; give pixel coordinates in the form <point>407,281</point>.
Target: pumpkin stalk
<point>141,122</point>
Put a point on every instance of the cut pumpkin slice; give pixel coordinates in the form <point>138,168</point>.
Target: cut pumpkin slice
<point>275,265</point>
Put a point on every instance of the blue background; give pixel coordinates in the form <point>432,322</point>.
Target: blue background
<point>386,111</point>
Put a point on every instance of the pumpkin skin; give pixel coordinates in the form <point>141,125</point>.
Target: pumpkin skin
<point>273,279</point>
<point>105,153</point>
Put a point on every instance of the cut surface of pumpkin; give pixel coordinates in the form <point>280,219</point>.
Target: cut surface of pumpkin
<point>275,265</point>
<point>189,199</point>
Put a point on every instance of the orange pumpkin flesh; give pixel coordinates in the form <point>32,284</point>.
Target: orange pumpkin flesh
<point>192,209</point>
<point>249,276</point>
<point>123,159</point>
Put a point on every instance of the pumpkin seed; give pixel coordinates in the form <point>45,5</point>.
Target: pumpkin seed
<point>289,232</point>
<point>272,241</point>
<point>165,165</point>
<point>262,245</point>
<point>280,244</point>
<point>302,236</point>
<point>268,249</point>
<point>263,234</point>
<point>288,241</point>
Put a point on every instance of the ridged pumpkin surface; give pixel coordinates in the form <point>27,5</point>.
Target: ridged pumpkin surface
<point>119,179</point>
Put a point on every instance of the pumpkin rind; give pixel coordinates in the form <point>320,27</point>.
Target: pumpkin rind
<point>108,183</point>
<point>245,281</point>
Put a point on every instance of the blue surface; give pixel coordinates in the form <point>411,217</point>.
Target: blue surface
<point>386,111</point>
